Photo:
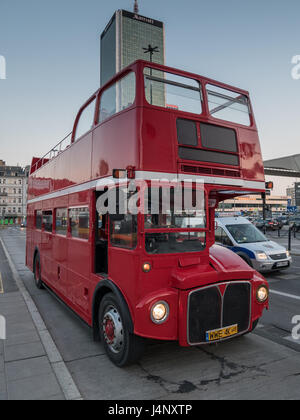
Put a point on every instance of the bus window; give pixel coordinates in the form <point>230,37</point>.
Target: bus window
<point>187,132</point>
<point>86,120</point>
<point>174,92</point>
<point>228,105</point>
<point>38,219</point>
<point>123,231</point>
<point>80,222</point>
<point>177,215</point>
<point>117,97</point>
<point>47,221</point>
<point>61,224</point>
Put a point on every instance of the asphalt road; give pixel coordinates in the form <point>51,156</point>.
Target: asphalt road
<point>261,365</point>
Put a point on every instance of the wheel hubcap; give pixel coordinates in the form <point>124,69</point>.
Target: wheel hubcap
<point>113,329</point>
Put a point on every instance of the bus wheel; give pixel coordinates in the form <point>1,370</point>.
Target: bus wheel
<point>122,347</point>
<point>37,272</point>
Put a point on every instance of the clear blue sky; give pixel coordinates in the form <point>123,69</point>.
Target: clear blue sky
<point>52,54</point>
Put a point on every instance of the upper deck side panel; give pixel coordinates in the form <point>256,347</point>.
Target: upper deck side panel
<point>72,166</point>
<point>115,144</point>
<point>110,145</point>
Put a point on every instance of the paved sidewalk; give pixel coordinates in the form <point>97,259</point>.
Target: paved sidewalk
<point>25,371</point>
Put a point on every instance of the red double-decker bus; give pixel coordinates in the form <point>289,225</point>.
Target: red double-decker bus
<point>137,275</point>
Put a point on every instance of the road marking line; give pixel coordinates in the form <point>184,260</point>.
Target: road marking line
<point>288,277</point>
<point>285,294</point>
<point>1,285</point>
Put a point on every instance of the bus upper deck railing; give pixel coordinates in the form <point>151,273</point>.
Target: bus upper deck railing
<point>55,151</point>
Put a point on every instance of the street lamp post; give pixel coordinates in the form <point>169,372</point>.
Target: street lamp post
<point>151,50</point>
<point>136,7</point>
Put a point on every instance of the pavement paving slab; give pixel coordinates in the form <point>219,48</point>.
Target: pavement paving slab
<point>25,371</point>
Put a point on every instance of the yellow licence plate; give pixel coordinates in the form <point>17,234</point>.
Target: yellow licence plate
<point>222,333</point>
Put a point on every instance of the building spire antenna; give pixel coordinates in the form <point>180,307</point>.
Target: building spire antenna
<point>136,7</point>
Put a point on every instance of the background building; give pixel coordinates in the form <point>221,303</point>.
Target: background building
<point>285,175</point>
<point>290,192</point>
<point>13,193</point>
<point>254,204</point>
<point>124,39</point>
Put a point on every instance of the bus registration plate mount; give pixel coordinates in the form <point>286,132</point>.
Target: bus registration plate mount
<point>222,333</point>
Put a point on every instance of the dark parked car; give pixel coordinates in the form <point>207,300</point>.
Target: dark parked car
<point>260,223</point>
<point>268,224</point>
<point>283,220</point>
<point>272,224</point>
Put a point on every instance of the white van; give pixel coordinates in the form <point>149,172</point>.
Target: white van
<point>243,238</point>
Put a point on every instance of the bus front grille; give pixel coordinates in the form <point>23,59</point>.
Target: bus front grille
<point>209,309</point>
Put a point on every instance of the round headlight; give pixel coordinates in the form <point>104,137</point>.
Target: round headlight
<point>261,255</point>
<point>262,294</point>
<point>160,312</point>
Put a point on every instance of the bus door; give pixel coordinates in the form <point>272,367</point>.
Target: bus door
<point>123,259</point>
<point>79,252</point>
<point>101,244</point>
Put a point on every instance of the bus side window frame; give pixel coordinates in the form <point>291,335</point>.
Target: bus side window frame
<point>115,83</point>
<point>85,206</point>
<point>43,224</point>
<point>122,246</point>
<point>55,219</point>
<point>35,220</point>
<point>94,99</point>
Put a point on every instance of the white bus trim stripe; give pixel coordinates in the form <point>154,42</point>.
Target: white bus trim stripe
<point>147,175</point>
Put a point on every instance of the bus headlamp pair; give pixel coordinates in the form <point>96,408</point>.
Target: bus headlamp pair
<point>160,312</point>
<point>262,294</point>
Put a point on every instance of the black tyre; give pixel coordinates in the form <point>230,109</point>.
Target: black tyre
<point>255,324</point>
<point>122,347</point>
<point>37,272</point>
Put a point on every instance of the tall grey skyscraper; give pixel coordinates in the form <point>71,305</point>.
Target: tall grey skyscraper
<point>124,39</point>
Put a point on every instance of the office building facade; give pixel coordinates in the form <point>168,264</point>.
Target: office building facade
<point>124,39</point>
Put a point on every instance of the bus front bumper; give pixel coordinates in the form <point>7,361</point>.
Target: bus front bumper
<point>203,315</point>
